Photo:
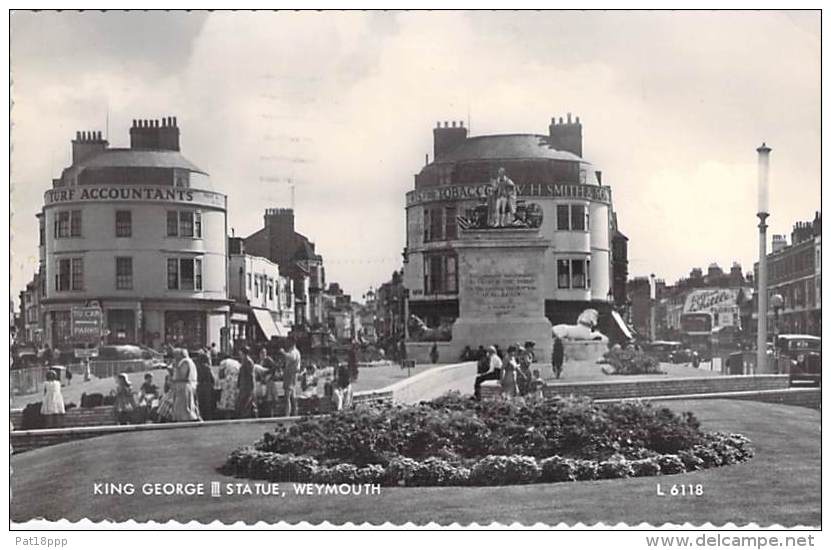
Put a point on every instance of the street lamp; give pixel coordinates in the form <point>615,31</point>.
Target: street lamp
<point>762,283</point>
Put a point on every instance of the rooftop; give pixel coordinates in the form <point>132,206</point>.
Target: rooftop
<point>139,158</point>
<point>508,146</point>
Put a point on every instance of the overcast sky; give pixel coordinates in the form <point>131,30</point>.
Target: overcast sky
<point>673,106</point>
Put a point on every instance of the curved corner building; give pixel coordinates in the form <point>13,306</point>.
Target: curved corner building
<point>574,222</point>
<point>139,232</point>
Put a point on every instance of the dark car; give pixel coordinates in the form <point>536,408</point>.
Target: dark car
<point>663,350</point>
<point>800,356</point>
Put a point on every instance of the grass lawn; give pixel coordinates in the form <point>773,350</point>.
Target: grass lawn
<point>781,485</point>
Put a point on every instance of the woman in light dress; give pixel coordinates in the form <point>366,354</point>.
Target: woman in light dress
<point>228,377</point>
<point>185,407</point>
<point>52,407</point>
<point>508,380</point>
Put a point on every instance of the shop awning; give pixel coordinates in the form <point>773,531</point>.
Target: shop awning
<point>622,325</point>
<point>266,323</point>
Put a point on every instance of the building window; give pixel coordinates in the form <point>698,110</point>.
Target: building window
<point>440,274</point>
<point>256,286</point>
<point>70,275</point>
<point>68,224</point>
<point>573,274</point>
<point>172,223</point>
<point>249,281</point>
<point>450,225</point>
<point>172,273</point>
<point>578,274</point>
<point>75,223</point>
<point>123,223</point>
<point>572,217</point>
<point>123,273</point>
<point>62,276</point>
<point>77,274</point>
<point>184,273</point>
<point>563,275</point>
<point>440,223</point>
<point>184,223</point>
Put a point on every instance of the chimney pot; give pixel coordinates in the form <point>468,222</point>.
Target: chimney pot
<point>568,117</point>
<point>438,124</point>
<point>445,124</point>
<point>561,120</point>
<point>77,136</point>
<point>577,120</point>
<point>454,123</point>
<point>174,121</point>
<point>553,120</point>
<point>461,124</point>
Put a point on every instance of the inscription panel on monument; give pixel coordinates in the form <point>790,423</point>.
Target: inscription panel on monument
<point>503,284</point>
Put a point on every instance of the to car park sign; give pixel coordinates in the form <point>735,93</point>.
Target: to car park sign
<point>86,324</point>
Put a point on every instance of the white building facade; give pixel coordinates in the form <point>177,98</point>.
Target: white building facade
<point>141,233</point>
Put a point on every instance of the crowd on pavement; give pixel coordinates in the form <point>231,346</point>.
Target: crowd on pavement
<point>204,386</point>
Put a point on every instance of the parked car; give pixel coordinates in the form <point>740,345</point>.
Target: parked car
<point>800,356</point>
<point>663,350</point>
<point>684,355</point>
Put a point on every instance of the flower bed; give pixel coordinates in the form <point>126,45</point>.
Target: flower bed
<point>458,441</point>
<point>630,361</point>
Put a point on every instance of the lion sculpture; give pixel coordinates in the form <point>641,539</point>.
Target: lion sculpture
<point>583,330</point>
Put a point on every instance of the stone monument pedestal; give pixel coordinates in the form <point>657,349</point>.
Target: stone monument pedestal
<point>501,298</point>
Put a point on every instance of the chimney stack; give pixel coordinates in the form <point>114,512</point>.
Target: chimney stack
<point>87,144</point>
<point>155,134</point>
<point>447,138</point>
<point>566,137</point>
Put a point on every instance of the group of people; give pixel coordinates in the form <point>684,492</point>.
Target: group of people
<point>513,370</point>
<point>250,385</point>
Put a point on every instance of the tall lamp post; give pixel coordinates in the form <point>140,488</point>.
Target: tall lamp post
<point>762,283</point>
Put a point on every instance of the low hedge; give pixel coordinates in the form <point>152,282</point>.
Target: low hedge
<point>453,441</point>
<point>249,462</point>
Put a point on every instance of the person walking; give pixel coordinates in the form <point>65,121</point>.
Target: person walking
<point>272,381</point>
<point>494,371</point>
<point>508,380</point>
<point>205,386</point>
<point>185,378</point>
<point>557,356</point>
<point>52,408</point>
<point>214,353</point>
<point>290,371</point>
<point>246,386</point>
<point>524,359</point>
<point>228,390</point>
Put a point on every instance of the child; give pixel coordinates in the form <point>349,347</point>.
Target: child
<point>52,407</point>
<point>124,403</point>
<point>148,397</point>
